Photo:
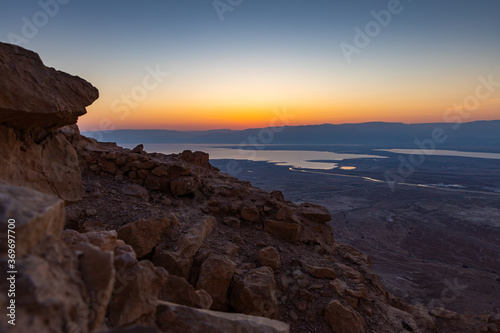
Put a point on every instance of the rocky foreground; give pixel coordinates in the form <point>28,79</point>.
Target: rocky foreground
<point>116,240</point>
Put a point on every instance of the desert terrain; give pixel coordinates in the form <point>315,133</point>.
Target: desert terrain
<point>435,245</point>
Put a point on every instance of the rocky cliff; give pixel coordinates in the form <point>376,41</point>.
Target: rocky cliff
<point>116,240</point>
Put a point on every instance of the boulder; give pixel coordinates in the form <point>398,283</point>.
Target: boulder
<point>349,272</point>
<point>33,95</point>
<point>183,186</point>
<point>177,290</point>
<point>144,235</point>
<point>215,276</point>
<point>173,318</point>
<point>136,289</point>
<point>250,213</point>
<point>269,256</point>
<point>179,261</point>
<point>138,149</point>
<point>321,272</point>
<point>50,294</point>
<point>315,213</point>
<point>98,274</point>
<point>255,293</point>
<point>197,158</point>
<point>34,217</point>
<point>342,319</point>
<point>339,286</point>
<point>284,230</point>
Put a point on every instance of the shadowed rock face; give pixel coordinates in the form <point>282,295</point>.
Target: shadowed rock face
<point>42,161</point>
<point>34,101</point>
<point>48,286</point>
<point>33,95</point>
<point>36,216</point>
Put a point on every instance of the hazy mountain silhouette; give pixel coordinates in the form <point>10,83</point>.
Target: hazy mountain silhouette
<point>473,134</point>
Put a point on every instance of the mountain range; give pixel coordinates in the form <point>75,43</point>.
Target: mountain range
<point>484,134</point>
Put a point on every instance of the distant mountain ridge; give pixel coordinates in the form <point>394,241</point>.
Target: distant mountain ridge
<point>472,134</point>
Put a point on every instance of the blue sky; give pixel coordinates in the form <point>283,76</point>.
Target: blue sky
<point>266,54</point>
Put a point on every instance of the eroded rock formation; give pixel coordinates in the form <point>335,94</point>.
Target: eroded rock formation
<point>34,101</point>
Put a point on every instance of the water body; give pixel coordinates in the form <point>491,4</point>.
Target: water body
<point>306,159</point>
<point>493,156</point>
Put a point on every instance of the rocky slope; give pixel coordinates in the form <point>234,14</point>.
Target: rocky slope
<point>156,243</point>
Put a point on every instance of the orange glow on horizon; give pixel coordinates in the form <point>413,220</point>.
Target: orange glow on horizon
<point>238,117</point>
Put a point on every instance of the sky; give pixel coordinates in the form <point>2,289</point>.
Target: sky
<point>197,65</point>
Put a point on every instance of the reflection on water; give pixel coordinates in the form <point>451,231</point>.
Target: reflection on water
<point>347,168</point>
<point>494,156</point>
<point>294,158</point>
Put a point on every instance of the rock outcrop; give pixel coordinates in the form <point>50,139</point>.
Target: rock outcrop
<point>144,235</point>
<point>34,101</point>
<point>215,277</point>
<point>49,290</point>
<point>157,243</point>
<point>35,96</point>
<point>42,160</point>
<point>255,293</point>
<point>37,216</point>
<point>342,319</point>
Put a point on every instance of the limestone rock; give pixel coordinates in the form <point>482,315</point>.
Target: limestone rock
<point>215,276</point>
<point>339,286</point>
<point>177,290</point>
<point>285,230</point>
<point>144,235</point>
<point>321,272</point>
<point>255,293</point>
<point>50,294</point>
<point>36,217</point>
<point>98,275</point>
<point>343,319</point>
<point>197,158</point>
<point>285,212</point>
<point>33,95</point>
<point>178,262</point>
<point>269,256</point>
<point>400,319</point>
<point>41,160</point>
<point>351,273</point>
<point>138,149</point>
<point>173,318</point>
<point>183,186</point>
<point>136,289</point>
<point>250,213</point>
<point>315,213</point>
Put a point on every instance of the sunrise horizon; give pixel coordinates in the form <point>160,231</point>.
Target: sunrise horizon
<point>243,128</point>
<point>202,66</point>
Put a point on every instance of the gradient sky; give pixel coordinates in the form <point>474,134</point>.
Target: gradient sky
<point>266,55</point>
